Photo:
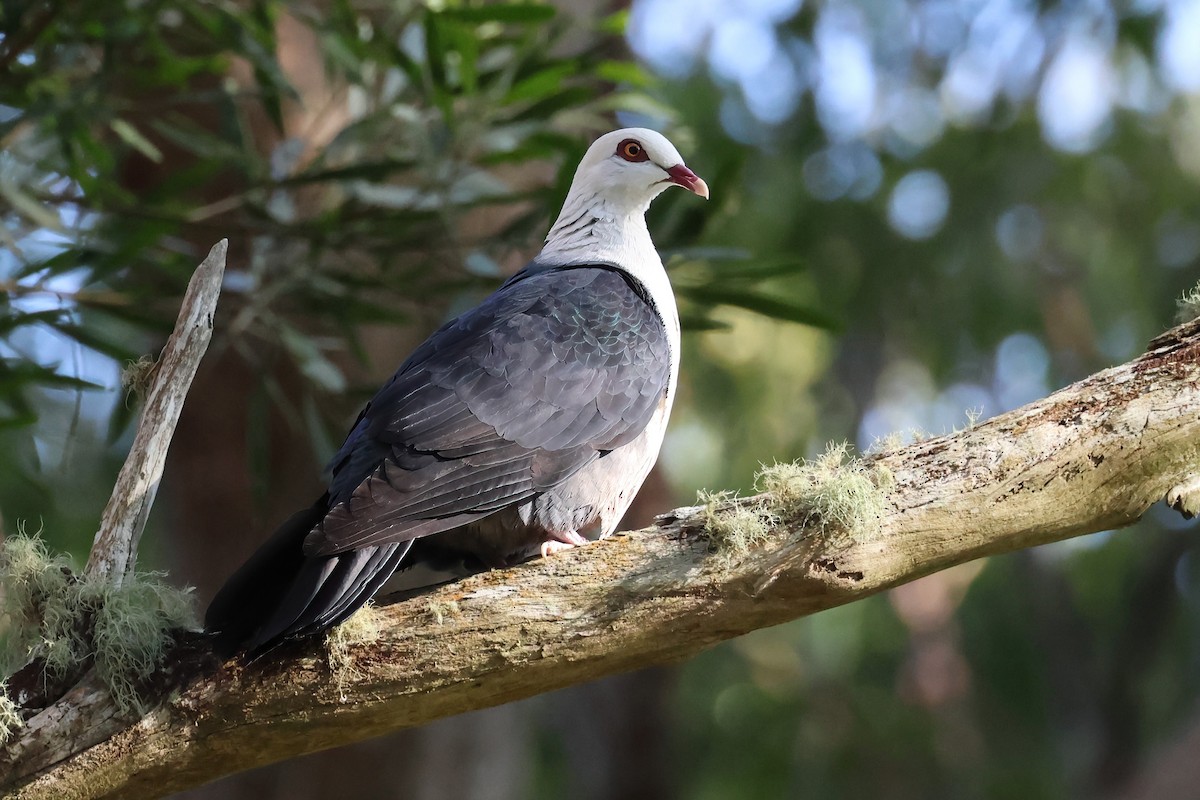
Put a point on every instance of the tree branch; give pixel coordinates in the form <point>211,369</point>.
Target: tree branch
<point>114,550</point>
<point>1091,457</point>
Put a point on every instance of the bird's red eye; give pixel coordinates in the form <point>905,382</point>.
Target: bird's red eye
<point>632,150</point>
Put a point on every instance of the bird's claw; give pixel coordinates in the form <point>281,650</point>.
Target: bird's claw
<point>561,540</point>
<point>554,546</point>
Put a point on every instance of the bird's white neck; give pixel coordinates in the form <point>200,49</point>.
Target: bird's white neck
<point>591,230</point>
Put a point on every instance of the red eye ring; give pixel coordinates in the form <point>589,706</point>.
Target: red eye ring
<point>632,150</point>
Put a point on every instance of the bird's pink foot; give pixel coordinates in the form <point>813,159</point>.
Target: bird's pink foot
<point>554,546</point>
<point>561,540</point>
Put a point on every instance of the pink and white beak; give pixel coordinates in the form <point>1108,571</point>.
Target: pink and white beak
<point>682,176</point>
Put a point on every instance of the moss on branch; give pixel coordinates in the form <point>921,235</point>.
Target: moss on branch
<point>67,621</point>
<point>835,496</point>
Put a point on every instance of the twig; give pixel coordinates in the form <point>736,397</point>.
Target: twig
<point>114,550</point>
<point>82,296</point>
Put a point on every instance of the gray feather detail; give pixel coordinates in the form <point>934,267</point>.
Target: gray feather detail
<point>500,405</point>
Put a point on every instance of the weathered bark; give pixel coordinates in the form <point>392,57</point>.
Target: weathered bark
<point>114,551</point>
<point>1091,457</point>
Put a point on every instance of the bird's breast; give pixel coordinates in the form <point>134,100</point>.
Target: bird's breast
<point>592,502</point>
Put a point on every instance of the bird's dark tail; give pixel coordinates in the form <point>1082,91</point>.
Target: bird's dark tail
<point>280,593</point>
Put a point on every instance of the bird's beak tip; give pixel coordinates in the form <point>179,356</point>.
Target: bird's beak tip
<point>682,176</point>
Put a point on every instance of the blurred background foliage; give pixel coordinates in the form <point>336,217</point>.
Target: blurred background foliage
<point>920,210</point>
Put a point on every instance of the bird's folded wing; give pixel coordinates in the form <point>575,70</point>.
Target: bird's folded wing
<point>506,401</point>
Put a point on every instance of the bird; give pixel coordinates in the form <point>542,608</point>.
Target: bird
<point>523,426</point>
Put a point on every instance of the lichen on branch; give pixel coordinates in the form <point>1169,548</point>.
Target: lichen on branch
<point>362,628</point>
<point>835,496</point>
<point>67,621</point>
<point>1189,305</point>
<point>10,716</point>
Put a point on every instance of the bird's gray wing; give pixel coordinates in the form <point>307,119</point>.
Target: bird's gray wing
<point>557,367</point>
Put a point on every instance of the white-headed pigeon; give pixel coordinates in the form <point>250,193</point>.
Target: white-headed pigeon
<point>526,424</point>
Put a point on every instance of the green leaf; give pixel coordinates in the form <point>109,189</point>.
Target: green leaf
<point>200,142</point>
<point>764,268</point>
<point>87,337</point>
<point>435,52</point>
<point>365,169</point>
<point>29,207</point>
<point>699,323</point>
<point>736,264</point>
<point>17,419</point>
<point>406,64</point>
<point>467,46</point>
<point>132,137</point>
<point>706,253</point>
<point>615,24</point>
<point>540,84</point>
<point>17,375</point>
<point>15,319</point>
<point>625,72</point>
<point>538,148</point>
<point>773,307</point>
<point>567,98</point>
<point>138,314</point>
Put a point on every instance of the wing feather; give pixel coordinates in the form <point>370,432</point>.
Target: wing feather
<point>555,368</point>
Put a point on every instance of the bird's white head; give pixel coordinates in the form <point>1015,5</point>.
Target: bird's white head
<point>630,167</point>
<point>603,217</point>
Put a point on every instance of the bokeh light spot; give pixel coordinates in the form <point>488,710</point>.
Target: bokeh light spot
<point>919,204</point>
